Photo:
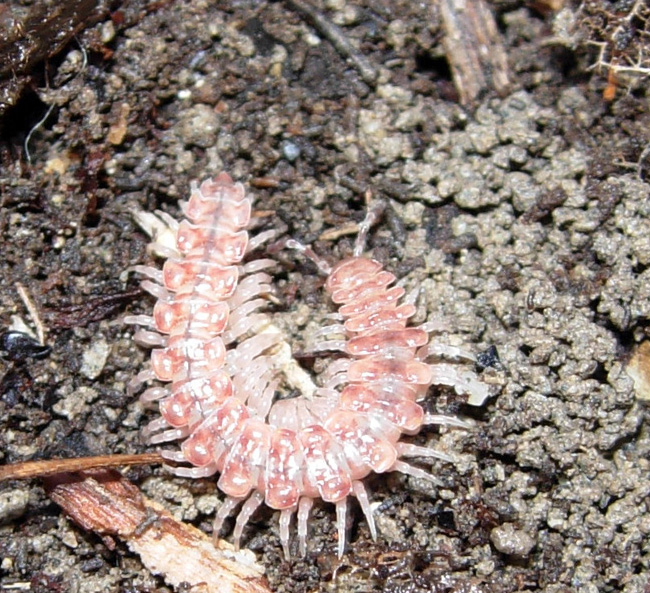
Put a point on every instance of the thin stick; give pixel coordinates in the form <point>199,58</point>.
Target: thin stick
<point>39,469</point>
<point>32,309</point>
<point>337,38</point>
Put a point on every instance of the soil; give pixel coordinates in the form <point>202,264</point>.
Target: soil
<point>522,218</point>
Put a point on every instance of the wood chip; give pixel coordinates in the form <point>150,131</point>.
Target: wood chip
<point>105,502</point>
<point>474,48</point>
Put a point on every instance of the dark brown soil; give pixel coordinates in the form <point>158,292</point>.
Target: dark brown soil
<point>525,220</point>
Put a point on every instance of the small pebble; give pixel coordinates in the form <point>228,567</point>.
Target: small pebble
<point>94,359</point>
<point>13,504</point>
<point>511,541</point>
<point>290,151</point>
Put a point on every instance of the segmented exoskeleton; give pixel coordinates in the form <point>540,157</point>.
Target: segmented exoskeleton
<point>217,357</point>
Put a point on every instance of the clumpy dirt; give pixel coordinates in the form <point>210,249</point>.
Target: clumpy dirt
<point>523,219</point>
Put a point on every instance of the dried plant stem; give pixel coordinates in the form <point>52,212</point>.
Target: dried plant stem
<point>50,467</point>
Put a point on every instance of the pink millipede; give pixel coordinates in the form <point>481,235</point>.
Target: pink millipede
<point>217,365</point>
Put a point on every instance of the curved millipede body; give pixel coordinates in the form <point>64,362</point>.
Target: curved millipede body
<point>217,370</point>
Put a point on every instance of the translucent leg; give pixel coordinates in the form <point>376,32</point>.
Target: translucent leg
<point>193,472</point>
<point>162,228</point>
<point>326,392</point>
<point>416,472</point>
<point>150,272</point>
<point>337,379</point>
<point>437,326</point>
<point>175,456</point>
<point>168,219</point>
<point>261,404</point>
<point>244,310</point>
<point>248,288</point>
<point>260,238</point>
<point>341,511</point>
<point>236,329</point>
<point>149,338</point>
<point>410,450</point>
<point>445,421</point>
<point>144,320</point>
<point>249,507</point>
<point>362,496</point>
<point>304,507</point>
<point>160,292</point>
<point>338,367</point>
<point>337,328</point>
<point>247,350</point>
<point>164,251</point>
<point>175,434</point>
<point>338,345</point>
<point>153,394</point>
<point>224,510</point>
<point>285,520</point>
<point>258,264</point>
<point>153,427</point>
<point>142,377</point>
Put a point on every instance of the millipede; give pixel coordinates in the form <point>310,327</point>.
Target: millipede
<point>218,375</point>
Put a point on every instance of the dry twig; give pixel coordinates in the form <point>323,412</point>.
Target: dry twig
<point>50,467</point>
<point>337,38</point>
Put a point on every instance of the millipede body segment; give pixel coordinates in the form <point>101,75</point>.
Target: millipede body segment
<point>216,373</point>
